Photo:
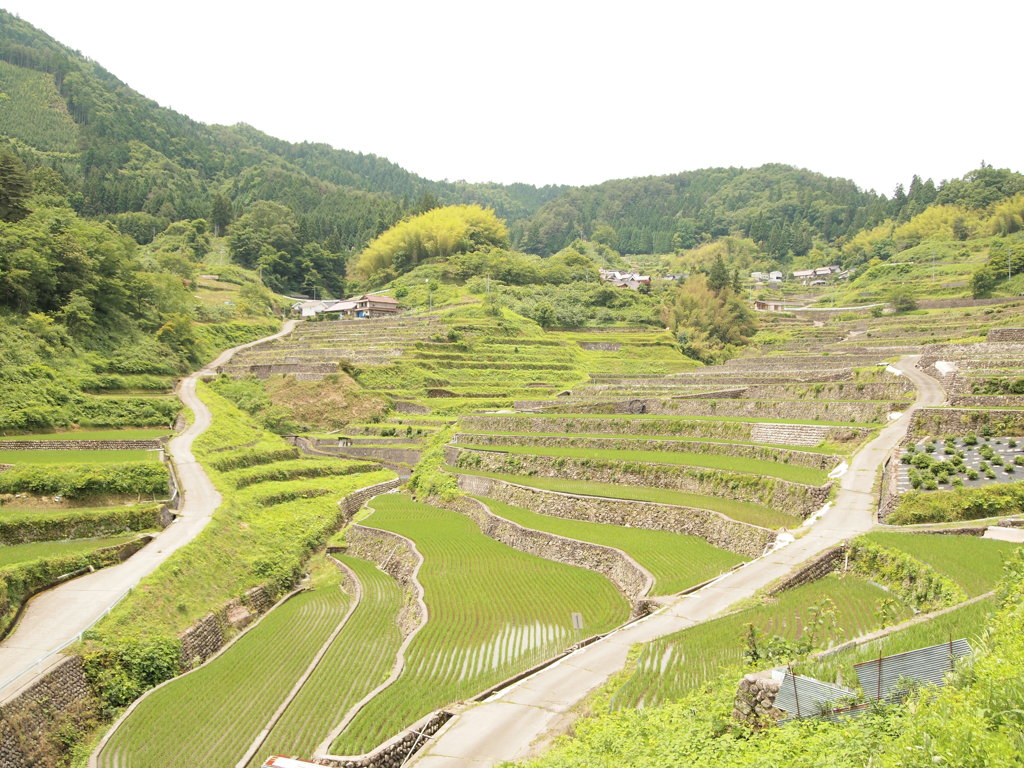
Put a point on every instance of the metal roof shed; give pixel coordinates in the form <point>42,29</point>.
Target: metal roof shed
<point>800,696</point>
<point>879,677</point>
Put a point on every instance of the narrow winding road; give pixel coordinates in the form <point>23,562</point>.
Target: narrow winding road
<point>58,616</point>
<point>520,721</point>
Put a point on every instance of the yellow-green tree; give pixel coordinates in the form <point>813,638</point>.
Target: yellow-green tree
<point>438,233</point>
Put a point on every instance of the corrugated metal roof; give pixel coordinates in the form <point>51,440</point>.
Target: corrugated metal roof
<point>927,665</point>
<point>805,697</point>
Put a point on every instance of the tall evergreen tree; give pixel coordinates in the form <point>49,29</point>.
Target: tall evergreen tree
<point>14,189</point>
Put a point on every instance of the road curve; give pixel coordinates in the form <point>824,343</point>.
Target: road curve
<point>56,617</point>
<point>520,721</point>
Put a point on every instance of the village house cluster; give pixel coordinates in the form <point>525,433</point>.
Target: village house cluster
<point>816,276</point>
<point>366,306</point>
<point>631,280</point>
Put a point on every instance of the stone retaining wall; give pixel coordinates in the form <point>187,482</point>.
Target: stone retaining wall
<point>958,421</point>
<point>1005,334</point>
<point>207,636</point>
<point>393,554</point>
<point>623,571</point>
<point>718,530</point>
<point>60,701</point>
<point>394,752</point>
<point>524,423</point>
<point>81,445</point>
<point>806,410</point>
<point>818,568</point>
<point>601,346</point>
<point>987,401</point>
<point>755,700</point>
<point>795,498</point>
<point>800,458</point>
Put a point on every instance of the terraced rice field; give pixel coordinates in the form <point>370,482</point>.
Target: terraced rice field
<point>673,665</point>
<point>967,621</point>
<point>744,511</point>
<point>210,717</point>
<point>38,550</point>
<point>75,457</point>
<point>675,560</point>
<point>976,564</point>
<point>493,611</point>
<point>790,472</point>
<point>358,661</point>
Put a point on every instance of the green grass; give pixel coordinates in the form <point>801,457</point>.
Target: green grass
<point>38,550</point>
<point>744,511</point>
<point>94,434</point>
<point>678,663</point>
<point>76,457</point>
<point>246,544</point>
<point>791,472</point>
<point>967,621</point>
<point>976,564</point>
<point>359,659</point>
<point>493,611</point>
<point>211,716</point>
<point>676,561</point>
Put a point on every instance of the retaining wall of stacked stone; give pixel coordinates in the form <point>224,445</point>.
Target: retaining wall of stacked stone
<point>798,458</point>
<point>394,555</point>
<point>795,498</point>
<point>817,568</point>
<point>755,700</point>
<point>1006,334</point>
<point>396,751</point>
<point>806,410</point>
<point>81,445</point>
<point>959,421</point>
<point>522,423</point>
<point>632,579</point>
<point>986,401</point>
<point>718,530</point>
<point>59,701</point>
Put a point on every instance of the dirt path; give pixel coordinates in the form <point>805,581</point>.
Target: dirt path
<point>57,617</point>
<point>520,721</point>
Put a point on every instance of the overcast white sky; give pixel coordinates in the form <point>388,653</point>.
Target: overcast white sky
<point>580,92</point>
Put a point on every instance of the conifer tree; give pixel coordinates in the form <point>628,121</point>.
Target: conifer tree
<point>14,189</point>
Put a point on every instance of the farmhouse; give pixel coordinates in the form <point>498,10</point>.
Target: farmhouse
<point>631,280</point>
<point>366,306</point>
<point>769,306</point>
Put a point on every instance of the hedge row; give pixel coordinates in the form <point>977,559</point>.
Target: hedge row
<point>75,481</point>
<point>253,458</point>
<point>72,524</point>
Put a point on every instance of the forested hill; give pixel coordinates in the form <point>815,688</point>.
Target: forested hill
<point>782,208</point>
<point>125,157</point>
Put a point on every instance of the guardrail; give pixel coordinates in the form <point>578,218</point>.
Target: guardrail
<point>38,663</point>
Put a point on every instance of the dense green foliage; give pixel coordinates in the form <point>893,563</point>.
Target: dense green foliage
<point>20,526</point>
<point>976,720</point>
<point>76,481</point>
<point>959,504</point>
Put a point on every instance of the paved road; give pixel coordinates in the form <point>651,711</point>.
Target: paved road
<point>520,722</point>
<point>56,617</point>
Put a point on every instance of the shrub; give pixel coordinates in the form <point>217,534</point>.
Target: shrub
<point>75,481</point>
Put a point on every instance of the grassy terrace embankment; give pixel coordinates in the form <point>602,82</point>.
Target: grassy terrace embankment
<point>746,512</point>
<point>262,535</point>
<point>675,560</point>
<point>493,611</point>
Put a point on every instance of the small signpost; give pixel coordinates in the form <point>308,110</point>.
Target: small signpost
<point>577,624</point>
